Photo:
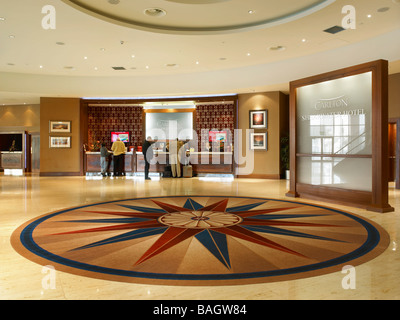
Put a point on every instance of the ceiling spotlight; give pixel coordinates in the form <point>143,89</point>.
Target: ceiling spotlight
<point>11,36</point>
<point>2,19</point>
<point>251,11</point>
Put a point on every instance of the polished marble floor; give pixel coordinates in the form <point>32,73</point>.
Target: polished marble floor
<point>25,198</point>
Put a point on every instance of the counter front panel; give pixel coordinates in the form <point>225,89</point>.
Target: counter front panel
<point>92,162</point>
<point>201,162</point>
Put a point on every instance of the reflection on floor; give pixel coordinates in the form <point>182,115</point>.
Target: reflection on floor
<point>26,198</point>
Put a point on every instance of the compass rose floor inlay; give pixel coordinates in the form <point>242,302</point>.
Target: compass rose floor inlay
<point>200,240</point>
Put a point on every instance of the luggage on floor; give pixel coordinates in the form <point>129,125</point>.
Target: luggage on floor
<point>187,171</point>
<point>167,172</point>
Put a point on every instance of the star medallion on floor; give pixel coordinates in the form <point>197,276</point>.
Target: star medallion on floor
<point>200,240</point>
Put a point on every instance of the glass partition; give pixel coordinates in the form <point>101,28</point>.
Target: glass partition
<point>334,132</point>
<point>170,125</point>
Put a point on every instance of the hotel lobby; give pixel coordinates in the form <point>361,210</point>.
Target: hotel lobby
<point>289,119</point>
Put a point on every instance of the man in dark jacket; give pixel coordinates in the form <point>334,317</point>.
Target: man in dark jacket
<point>147,150</point>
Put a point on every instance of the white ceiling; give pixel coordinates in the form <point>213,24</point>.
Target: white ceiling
<point>198,47</point>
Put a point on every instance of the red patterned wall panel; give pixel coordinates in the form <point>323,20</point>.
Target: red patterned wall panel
<point>102,120</point>
<point>214,117</point>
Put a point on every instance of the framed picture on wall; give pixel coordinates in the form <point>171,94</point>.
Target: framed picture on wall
<point>258,141</point>
<point>258,119</point>
<point>60,126</point>
<point>60,142</point>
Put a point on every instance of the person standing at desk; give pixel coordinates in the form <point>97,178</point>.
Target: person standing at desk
<point>118,148</point>
<point>174,149</point>
<point>104,158</point>
<point>147,150</point>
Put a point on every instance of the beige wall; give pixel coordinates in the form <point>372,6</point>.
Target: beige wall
<point>60,161</point>
<point>20,118</point>
<point>394,95</point>
<point>266,163</point>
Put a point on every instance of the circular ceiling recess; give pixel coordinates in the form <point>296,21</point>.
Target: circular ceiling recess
<point>197,1</point>
<point>199,16</point>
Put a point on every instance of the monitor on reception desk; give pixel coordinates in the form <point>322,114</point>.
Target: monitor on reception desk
<point>123,136</point>
<point>215,136</point>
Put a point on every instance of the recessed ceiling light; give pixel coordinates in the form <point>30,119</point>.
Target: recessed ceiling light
<point>147,67</point>
<point>85,58</point>
<point>171,65</point>
<point>251,11</point>
<point>95,68</point>
<point>2,19</point>
<point>248,54</point>
<point>303,40</point>
<point>11,36</point>
<point>132,56</point>
<point>41,67</point>
<point>69,68</point>
<point>369,16</point>
<point>10,64</point>
<point>103,49</point>
<point>59,43</point>
<point>155,12</point>
<point>222,59</point>
<point>197,62</point>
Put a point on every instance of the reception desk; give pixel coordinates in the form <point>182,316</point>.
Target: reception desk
<point>92,162</point>
<point>201,162</point>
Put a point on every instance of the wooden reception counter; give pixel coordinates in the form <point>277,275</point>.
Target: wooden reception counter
<point>202,162</point>
<point>92,162</point>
